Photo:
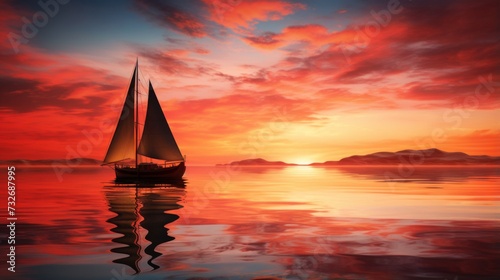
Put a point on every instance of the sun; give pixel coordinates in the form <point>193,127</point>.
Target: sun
<point>302,161</point>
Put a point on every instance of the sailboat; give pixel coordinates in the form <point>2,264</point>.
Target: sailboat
<point>157,141</point>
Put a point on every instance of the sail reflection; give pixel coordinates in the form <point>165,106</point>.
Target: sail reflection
<point>140,220</point>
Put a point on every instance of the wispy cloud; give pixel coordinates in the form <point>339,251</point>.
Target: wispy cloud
<point>242,16</point>
<point>172,16</point>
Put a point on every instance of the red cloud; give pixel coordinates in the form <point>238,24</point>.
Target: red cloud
<point>442,56</point>
<point>176,62</point>
<point>341,97</point>
<point>268,40</point>
<point>34,80</point>
<point>172,17</point>
<point>243,15</point>
<point>201,51</point>
<point>314,35</point>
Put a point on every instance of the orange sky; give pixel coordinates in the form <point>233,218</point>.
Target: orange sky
<point>301,81</point>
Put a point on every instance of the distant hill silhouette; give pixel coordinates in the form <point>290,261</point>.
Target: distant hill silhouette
<point>416,157</point>
<point>413,157</point>
<point>73,161</point>
<point>258,161</point>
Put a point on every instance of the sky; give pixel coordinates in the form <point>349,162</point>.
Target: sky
<point>297,81</point>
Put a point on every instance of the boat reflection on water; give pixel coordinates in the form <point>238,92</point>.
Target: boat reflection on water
<point>141,219</point>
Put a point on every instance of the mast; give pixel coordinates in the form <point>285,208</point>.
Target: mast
<point>136,114</point>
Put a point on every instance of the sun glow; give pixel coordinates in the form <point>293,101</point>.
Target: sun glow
<point>302,161</point>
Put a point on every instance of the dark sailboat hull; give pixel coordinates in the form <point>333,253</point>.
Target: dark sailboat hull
<point>150,172</point>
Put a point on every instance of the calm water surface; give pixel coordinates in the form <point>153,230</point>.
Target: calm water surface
<point>258,223</point>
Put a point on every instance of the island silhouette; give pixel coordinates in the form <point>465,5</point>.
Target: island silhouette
<point>413,157</point>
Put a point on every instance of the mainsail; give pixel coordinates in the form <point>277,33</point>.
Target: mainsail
<point>157,140</point>
<point>122,144</point>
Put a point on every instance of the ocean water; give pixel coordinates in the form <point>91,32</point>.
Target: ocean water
<point>257,223</point>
